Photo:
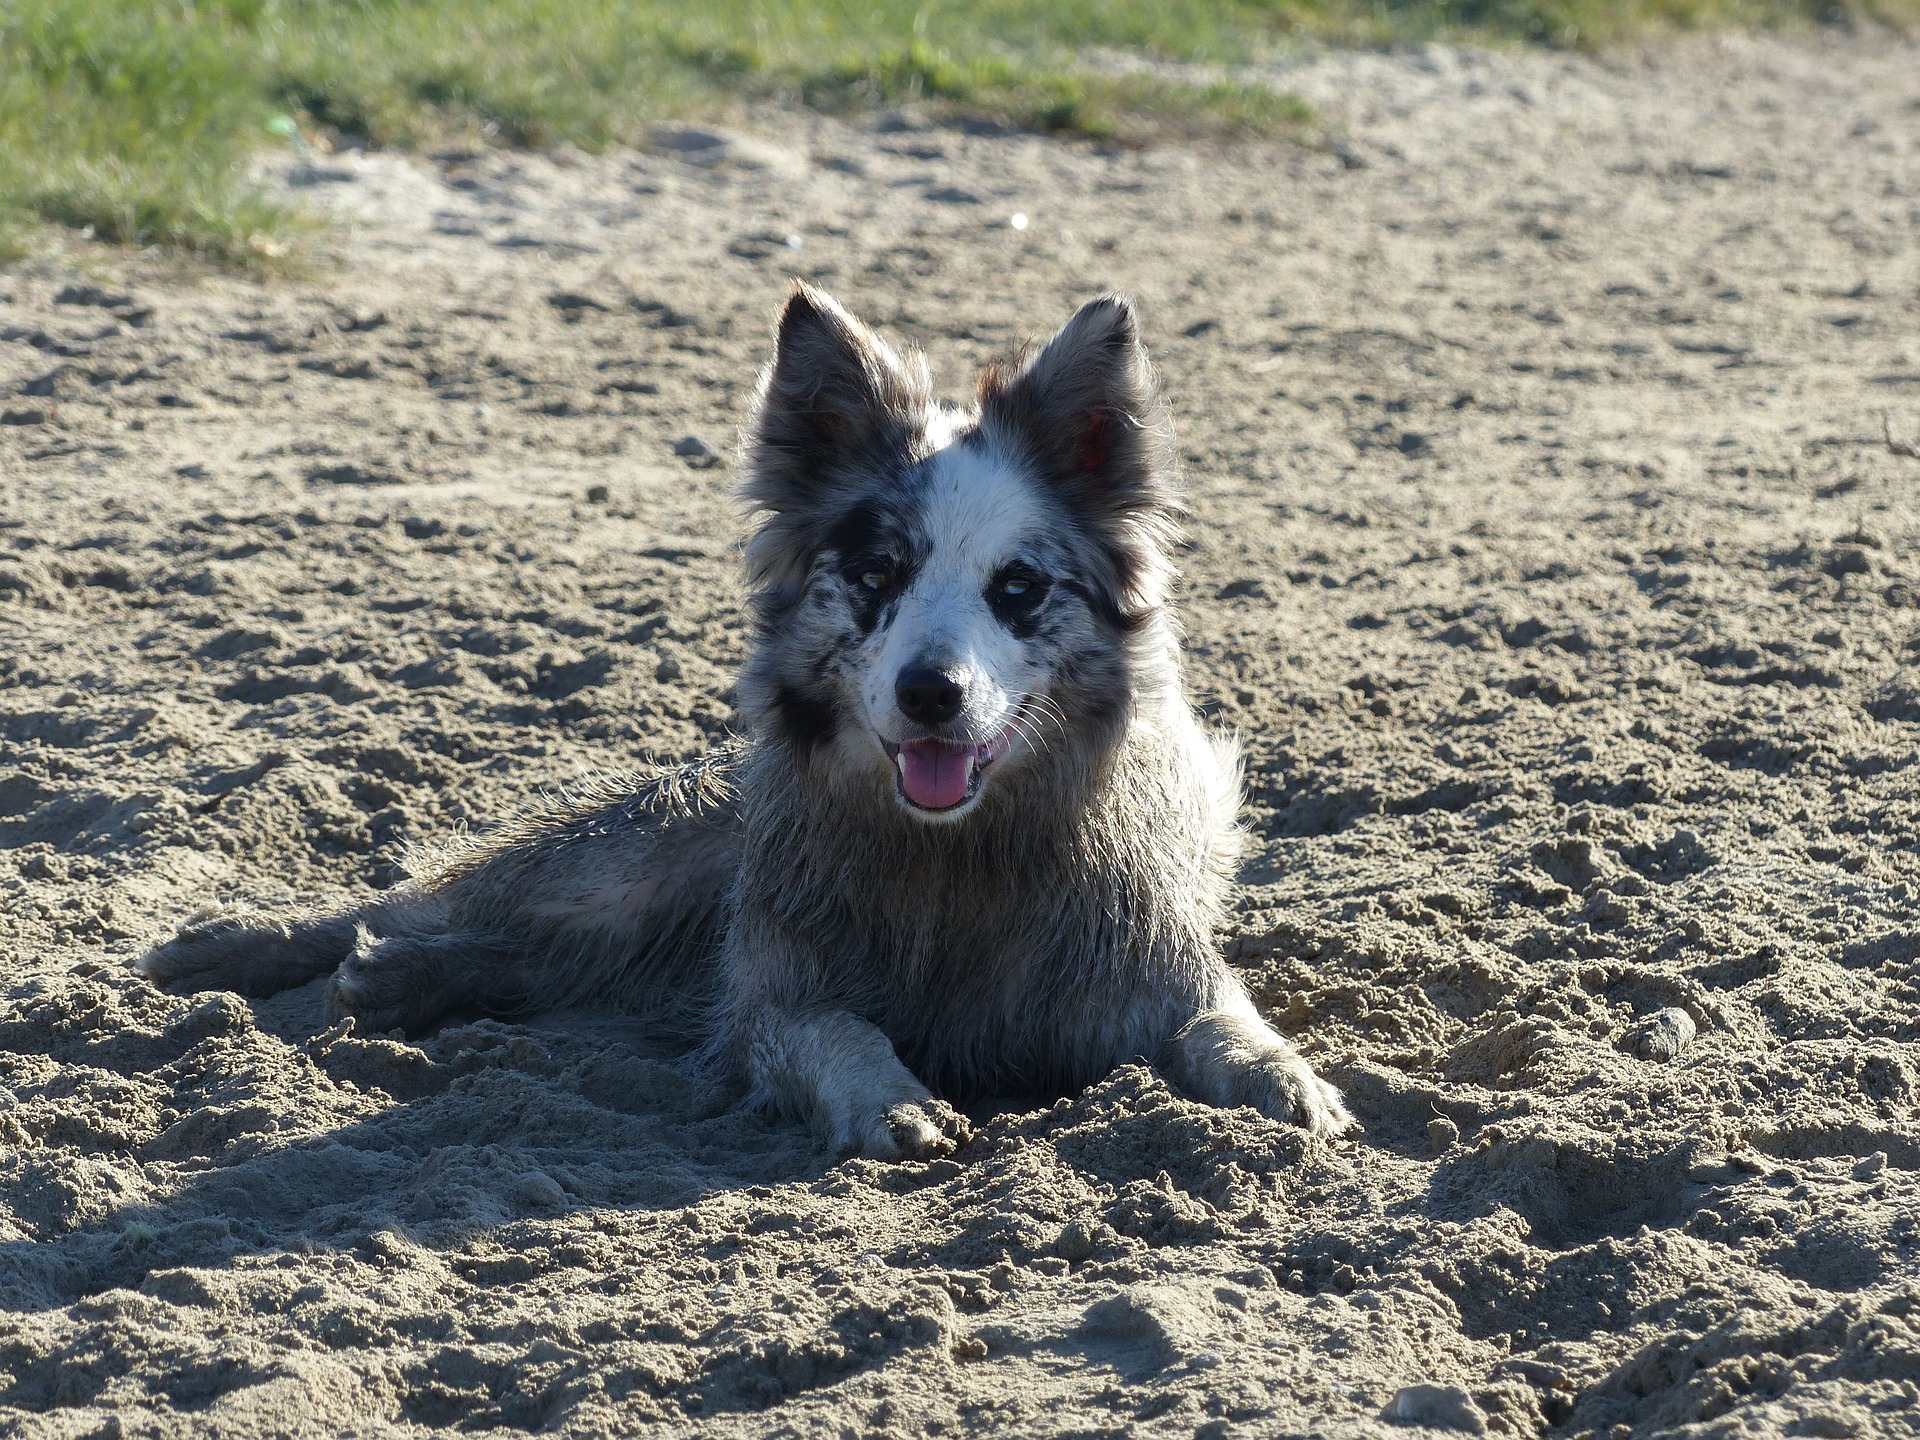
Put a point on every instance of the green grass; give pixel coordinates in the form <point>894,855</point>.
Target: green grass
<point>1059,98</point>
<point>135,120</point>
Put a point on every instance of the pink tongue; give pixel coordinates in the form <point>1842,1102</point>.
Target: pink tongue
<point>934,775</point>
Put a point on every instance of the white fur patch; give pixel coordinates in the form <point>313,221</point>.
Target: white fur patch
<point>975,513</point>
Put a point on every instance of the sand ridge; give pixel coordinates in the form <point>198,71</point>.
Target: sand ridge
<point>1545,552</point>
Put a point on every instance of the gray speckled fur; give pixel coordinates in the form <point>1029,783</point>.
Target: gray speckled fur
<point>848,956</point>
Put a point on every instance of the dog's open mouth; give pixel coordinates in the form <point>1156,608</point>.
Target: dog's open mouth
<point>939,774</point>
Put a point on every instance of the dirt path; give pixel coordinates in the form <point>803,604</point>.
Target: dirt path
<point>1544,550</point>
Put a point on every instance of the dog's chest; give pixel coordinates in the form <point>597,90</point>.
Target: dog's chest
<point>989,954</point>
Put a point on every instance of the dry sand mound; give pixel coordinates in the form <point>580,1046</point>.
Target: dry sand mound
<point>1544,551</point>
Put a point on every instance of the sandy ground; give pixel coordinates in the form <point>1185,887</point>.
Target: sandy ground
<point>1544,551</point>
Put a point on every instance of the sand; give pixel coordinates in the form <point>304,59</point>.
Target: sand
<point>1545,551</point>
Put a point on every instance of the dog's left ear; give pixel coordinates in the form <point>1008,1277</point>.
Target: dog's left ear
<point>1086,412</point>
<point>1083,409</point>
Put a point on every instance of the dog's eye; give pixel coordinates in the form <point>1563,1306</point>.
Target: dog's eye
<point>872,575</point>
<point>1016,589</point>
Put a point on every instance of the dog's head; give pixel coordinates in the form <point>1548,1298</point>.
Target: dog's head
<point>941,595</point>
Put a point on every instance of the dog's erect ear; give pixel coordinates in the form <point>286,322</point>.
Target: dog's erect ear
<point>835,399</point>
<point>1085,409</point>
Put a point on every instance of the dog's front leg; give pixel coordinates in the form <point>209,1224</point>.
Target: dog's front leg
<point>840,1074</point>
<point>1230,1056</point>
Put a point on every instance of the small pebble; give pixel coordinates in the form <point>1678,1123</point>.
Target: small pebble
<point>696,452</point>
<point>598,494</point>
<point>1662,1035</point>
<point>537,1188</point>
<point>1832,1424</point>
<point>1442,1134</point>
<point>1076,1241</point>
<point>1535,1372</point>
<point>1445,1407</point>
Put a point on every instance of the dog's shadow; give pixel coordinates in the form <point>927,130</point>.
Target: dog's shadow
<point>283,1132</point>
<point>291,1133</point>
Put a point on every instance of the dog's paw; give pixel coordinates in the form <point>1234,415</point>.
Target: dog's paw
<point>396,982</point>
<point>1234,1059</point>
<point>1284,1087</point>
<point>842,1074</point>
<point>246,952</point>
<point>923,1129</point>
<point>917,1129</point>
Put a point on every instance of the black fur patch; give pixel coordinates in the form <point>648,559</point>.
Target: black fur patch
<point>870,535</point>
<point>865,528</point>
<point>807,721</point>
<point>873,528</point>
<point>1107,609</point>
<point>1023,625</point>
<point>1019,613</point>
<point>872,609</point>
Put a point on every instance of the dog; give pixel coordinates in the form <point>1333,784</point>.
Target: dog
<point>974,841</point>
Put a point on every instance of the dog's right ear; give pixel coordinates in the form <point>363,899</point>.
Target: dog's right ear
<point>835,403</point>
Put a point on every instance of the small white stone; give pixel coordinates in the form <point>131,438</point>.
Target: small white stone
<point>1445,1407</point>
<point>1019,221</point>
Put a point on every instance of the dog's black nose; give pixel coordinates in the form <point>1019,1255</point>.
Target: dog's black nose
<point>928,696</point>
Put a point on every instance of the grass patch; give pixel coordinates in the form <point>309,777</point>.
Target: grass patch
<point>131,126</point>
<point>135,120</point>
<point>16,240</point>
<point>1059,100</point>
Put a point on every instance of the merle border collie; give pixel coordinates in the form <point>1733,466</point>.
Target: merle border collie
<point>974,841</point>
